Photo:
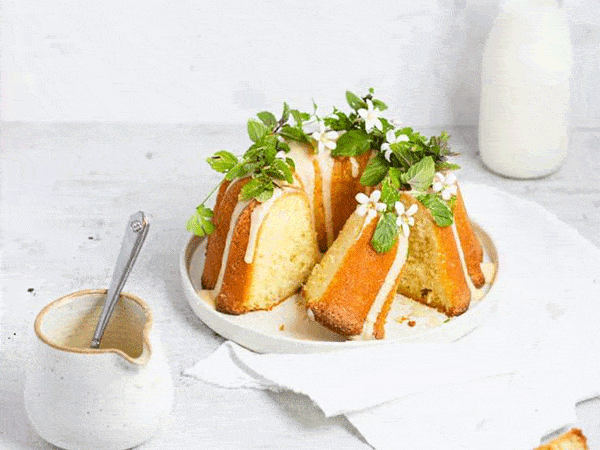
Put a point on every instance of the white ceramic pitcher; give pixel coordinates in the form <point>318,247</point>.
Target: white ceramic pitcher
<point>113,397</point>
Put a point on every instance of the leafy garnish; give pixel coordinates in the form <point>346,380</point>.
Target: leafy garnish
<point>200,223</point>
<point>222,161</point>
<point>441,212</point>
<point>386,233</point>
<point>375,171</point>
<point>420,175</point>
<point>409,162</point>
<point>352,143</point>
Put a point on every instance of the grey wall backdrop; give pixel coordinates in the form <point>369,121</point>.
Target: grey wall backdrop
<point>222,61</point>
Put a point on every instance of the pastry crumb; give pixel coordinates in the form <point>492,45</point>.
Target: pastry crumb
<point>282,327</point>
<point>411,323</point>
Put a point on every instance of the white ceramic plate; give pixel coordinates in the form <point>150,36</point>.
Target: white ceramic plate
<point>287,329</point>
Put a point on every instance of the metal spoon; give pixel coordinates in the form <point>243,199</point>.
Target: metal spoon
<point>135,234</point>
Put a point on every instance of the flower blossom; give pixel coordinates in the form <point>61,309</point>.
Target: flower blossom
<point>446,184</point>
<point>369,115</point>
<point>391,138</point>
<point>325,139</point>
<point>370,205</point>
<point>405,218</point>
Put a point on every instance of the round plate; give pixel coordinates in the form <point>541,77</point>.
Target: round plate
<point>287,329</point>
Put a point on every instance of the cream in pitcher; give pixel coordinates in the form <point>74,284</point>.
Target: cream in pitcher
<point>113,397</point>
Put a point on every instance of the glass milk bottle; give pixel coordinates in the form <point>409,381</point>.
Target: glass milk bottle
<point>525,95</point>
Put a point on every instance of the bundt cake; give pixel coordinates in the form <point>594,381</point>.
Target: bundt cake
<point>294,194</point>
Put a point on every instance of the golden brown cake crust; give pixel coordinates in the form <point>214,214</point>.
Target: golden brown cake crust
<point>571,440</point>
<point>471,246</point>
<point>344,188</point>
<point>236,279</point>
<point>358,277</point>
<point>227,199</point>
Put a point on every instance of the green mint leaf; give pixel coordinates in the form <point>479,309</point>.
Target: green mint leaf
<point>256,130</point>
<point>355,101</point>
<point>237,171</point>
<point>286,113</point>
<point>441,212</point>
<point>394,174</point>
<point>375,171</point>
<point>282,146</point>
<point>267,118</point>
<point>405,156</point>
<point>420,175</point>
<point>284,169</point>
<point>352,143</point>
<point>445,166</point>
<point>258,188</point>
<point>290,162</point>
<point>389,192</point>
<point>293,133</point>
<point>222,161</point>
<point>299,117</point>
<point>386,233</point>
<point>200,223</point>
<point>338,123</point>
<point>265,195</point>
<point>378,104</point>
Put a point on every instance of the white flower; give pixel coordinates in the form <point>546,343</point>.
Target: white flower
<point>405,218</point>
<point>281,155</point>
<point>369,205</point>
<point>391,138</point>
<point>311,126</point>
<point>445,184</point>
<point>369,115</point>
<point>325,139</point>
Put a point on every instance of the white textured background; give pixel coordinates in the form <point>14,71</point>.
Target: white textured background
<point>222,61</point>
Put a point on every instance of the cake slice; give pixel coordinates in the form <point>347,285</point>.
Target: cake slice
<point>433,274</point>
<point>267,251</point>
<point>349,289</point>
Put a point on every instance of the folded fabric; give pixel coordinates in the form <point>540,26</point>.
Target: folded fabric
<point>505,385</point>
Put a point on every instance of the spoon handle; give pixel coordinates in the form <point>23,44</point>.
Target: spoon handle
<point>135,234</point>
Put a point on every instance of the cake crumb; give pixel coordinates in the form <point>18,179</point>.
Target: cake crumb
<point>282,327</point>
<point>412,323</point>
<point>401,319</point>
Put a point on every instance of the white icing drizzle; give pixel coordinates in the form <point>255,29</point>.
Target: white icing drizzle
<point>239,207</point>
<point>326,163</point>
<point>305,170</point>
<point>384,290</point>
<point>257,217</point>
<point>355,166</point>
<point>476,294</point>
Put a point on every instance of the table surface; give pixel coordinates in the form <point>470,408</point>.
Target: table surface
<point>66,192</point>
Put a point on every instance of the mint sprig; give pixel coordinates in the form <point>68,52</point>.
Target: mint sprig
<point>410,165</point>
<point>352,143</point>
<point>386,233</point>
<point>441,212</point>
<point>222,161</point>
<point>420,175</point>
<point>200,223</point>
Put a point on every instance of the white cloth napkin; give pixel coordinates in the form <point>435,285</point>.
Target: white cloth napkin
<point>503,386</point>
